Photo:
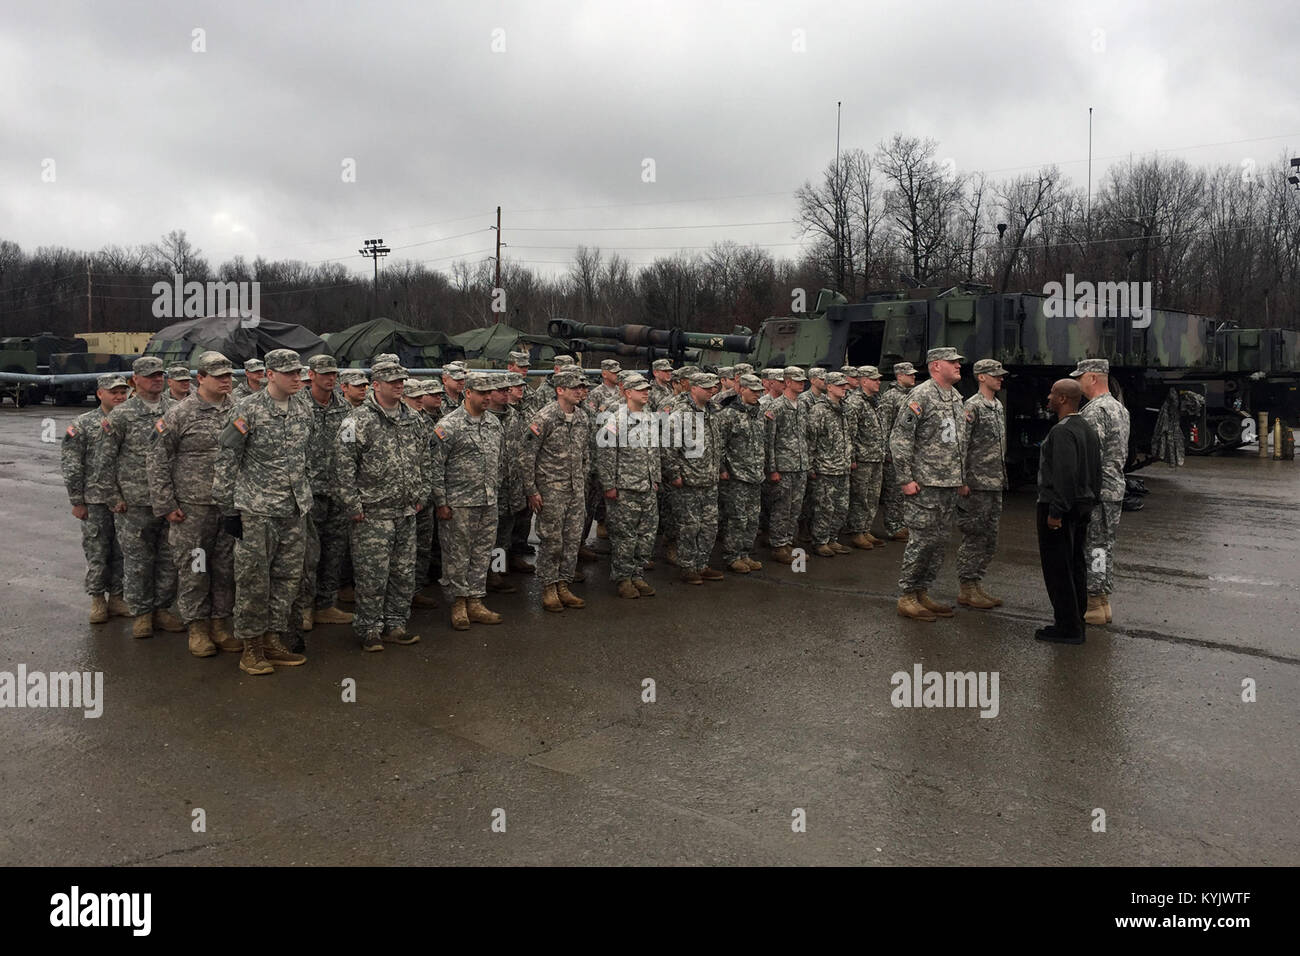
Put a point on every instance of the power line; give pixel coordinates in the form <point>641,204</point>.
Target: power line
<point>715,225</point>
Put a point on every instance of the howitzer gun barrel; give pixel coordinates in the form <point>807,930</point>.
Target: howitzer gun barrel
<point>647,352</point>
<point>675,341</point>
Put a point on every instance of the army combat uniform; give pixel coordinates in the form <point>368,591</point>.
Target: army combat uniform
<point>927,445</point>
<point>695,502</point>
<point>891,491</point>
<point>985,474</point>
<point>867,436</point>
<point>328,527</point>
<point>830,451</point>
<point>85,445</point>
<point>787,454</point>
<point>628,461</point>
<point>742,442</point>
<point>1110,419</point>
<point>553,463</point>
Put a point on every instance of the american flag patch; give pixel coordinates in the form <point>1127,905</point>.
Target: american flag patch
<point>771,415</point>
<point>970,416</point>
<point>915,407</point>
<point>72,430</point>
<point>536,429</point>
<point>103,423</point>
<point>241,423</point>
<point>438,430</point>
<point>160,426</point>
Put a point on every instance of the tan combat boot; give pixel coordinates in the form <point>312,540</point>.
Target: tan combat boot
<point>331,615</point>
<point>970,596</point>
<point>459,615</point>
<point>253,661</point>
<point>142,626</point>
<point>168,621</point>
<point>200,642</point>
<point>642,588</point>
<point>899,535</point>
<point>308,618</point>
<point>423,600</point>
<point>934,607</point>
<point>909,606</point>
<point>398,635</point>
<point>691,577</point>
<point>710,574</point>
<point>496,581</point>
<point>670,554</point>
<point>519,566</point>
<point>754,565</point>
<point>479,614</point>
<point>626,589</point>
<point>875,542</point>
<point>567,597</point>
<point>98,609</point>
<point>824,550</point>
<point>740,566</point>
<point>839,548</point>
<point>783,555</point>
<point>347,596</point>
<point>117,607</point>
<point>1096,613</point>
<point>995,601</point>
<point>861,541</point>
<point>219,629</point>
<point>277,654</point>
<point>550,600</point>
<point>1105,600</point>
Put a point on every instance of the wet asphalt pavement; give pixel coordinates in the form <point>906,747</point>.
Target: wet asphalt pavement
<point>773,693</point>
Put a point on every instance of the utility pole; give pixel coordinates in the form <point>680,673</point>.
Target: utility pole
<point>89,324</point>
<point>1088,213</point>
<point>497,283</point>
<point>376,250</point>
<point>839,221</point>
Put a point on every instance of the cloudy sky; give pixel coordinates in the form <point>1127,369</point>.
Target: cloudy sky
<point>550,109</point>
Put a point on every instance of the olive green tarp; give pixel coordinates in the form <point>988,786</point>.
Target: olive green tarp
<point>492,345</point>
<point>414,348</point>
<point>238,339</point>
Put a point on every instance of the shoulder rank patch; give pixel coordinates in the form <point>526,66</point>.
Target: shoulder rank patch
<point>536,429</point>
<point>241,423</point>
<point>440,432</point>
<point>72,430</point>
<point>915,407</point>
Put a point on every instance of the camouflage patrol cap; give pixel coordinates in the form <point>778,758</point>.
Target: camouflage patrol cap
<point>283,360</point>
<point>111,381</point>
<point>388,372</point>
<point>836,378</point>
<point>704,380</point>
<point>480,382</point>
<point>610,365</point>
<point>564,360</point>
<point>793,373</point>
<point>662,365</point>
<point>686,371</point>
<point>990,367</point>
<point>773,374</point>
<point>521,359</point>
<point>944,354</point>
<point>849,371</point>
<point>904,368</point>
<point>178,373</point>
<point>214,363</point>
<point>749,381</point>
<point>323,364</point>
<point>1100,366</point>
<point>304,374</point>
<point>817,372</point>
<point>415,387</point>
<point>868,371</point>
<point>254,365</point>
<point>382,358</point>
<point>726,371</point>
<point>511,379</point>
<point>744,368</point>
<point>454,372</point>
<point>624,375</point>
<point>636,382</point>
<point>353,376</point>
<point>433,386</point>
<point>147,365</point>
<point>567,379</point>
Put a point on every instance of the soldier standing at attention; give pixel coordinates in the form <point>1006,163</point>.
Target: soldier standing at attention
<point>261,484</point>
<point>787,462</point>
<point>773,380</point>
<point>468,444</point>
<point>522,520</point>
<point>253,382</point>
<point>178,382</point>
<point>980,509</point>
<point>1110,420</point>
<point>532,399</point>
<point>453,385</point>
<point>149,576</point>
<point>381,481</point>
<point>891,494</point>
<point>510,494</point>
<point>553,464</point>
<point>85,445</point>
<point>628,468</point>
<point>327,527</point>
<point>831,454</point>
<point>181,464</point>
<point>426,531</point>
<point>354,384</point>
<point>868,440</point>
<point>660,389</point>
<point>742,443</point>
<point>928,447</point>
<point>693,469</point>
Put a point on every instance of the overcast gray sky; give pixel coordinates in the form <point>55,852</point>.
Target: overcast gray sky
<point>244,145</point>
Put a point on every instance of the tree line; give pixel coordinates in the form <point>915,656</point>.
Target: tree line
<point>1223,241</point>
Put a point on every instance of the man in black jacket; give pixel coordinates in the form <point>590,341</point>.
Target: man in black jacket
<point>1069,481</point>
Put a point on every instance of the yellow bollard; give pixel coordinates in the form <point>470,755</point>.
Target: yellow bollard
<point>1262,432</point>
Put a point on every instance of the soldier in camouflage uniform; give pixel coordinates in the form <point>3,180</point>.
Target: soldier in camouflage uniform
<point>787,462</point>
<point>521,524</point>
<point>980,509</point>
<point>149,576</point>
<point>467,472</point>
<point>546,390</point>
<point>660,392</point>
<point>178,382</point>
<point>553,464</point>
<point>85,444</point>
<point>831,453</point>
<point>868,440</point>
<point>773,380</point>
<point>453,384</point>
<point>531,399</point>
<point>628,469</point>
<point>381,470</point>
<point>692,467</point>
<point>354,384</point>
<point>603,397</point>
<point>928,447</point>
<point>1107,415</point>
<point>261,484</point>
<point>891,495</point>
<point>414,392</point>
<point>254,380</point>
<point>742,443</point>
<point>510,496</point>
<point>328,527</point>
<point>181,463</point>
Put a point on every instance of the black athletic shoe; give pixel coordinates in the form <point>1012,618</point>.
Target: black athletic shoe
<point>1052,635</point>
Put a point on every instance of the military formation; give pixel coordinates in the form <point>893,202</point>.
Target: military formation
<point>246,513</point>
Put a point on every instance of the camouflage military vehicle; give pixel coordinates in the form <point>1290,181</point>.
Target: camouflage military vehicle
<point>30,355</point>
<point>84,363</point>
